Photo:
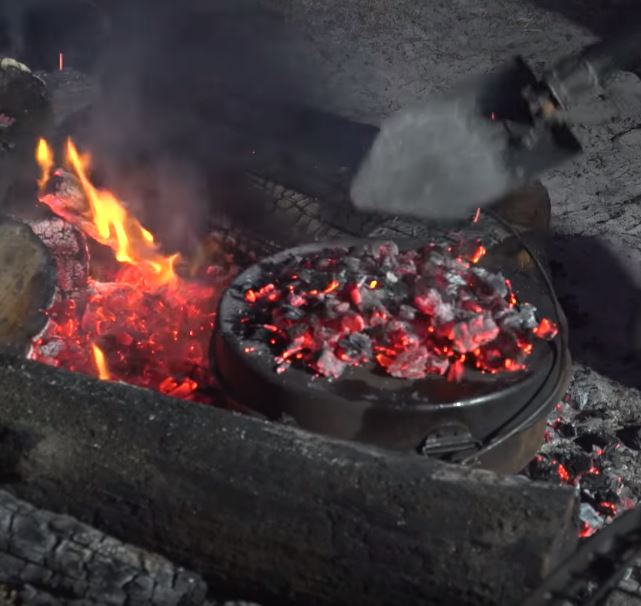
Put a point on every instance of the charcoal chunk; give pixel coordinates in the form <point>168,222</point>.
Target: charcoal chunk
<point>329,365</point>
<point>356,346</point>
<point>592,439</point>
<point>630,436</point>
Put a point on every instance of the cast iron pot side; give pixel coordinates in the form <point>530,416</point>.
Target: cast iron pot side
<point>394,413</point>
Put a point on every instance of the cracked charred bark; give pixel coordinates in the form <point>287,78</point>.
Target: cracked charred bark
<point>53,559</point>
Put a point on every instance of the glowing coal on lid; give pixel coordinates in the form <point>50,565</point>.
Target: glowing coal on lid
<point>431,311</point>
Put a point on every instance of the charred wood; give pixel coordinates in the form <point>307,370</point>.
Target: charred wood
<point>269,512</point>
<point>47,558</point>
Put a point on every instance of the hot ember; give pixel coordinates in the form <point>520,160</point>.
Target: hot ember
<point>142,323</point>
<point>431,311</point>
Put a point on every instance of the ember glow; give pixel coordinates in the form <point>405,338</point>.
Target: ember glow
<point>424,312</point>
<point>61,61</point>
<point>143,324</point>
<point>101,363</point>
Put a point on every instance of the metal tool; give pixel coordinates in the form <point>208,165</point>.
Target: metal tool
<point>443,160</point>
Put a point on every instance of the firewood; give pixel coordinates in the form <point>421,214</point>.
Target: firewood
<point>269,512</point>
<point>54,559</point>
<point>27,285</point>
<point>21,91</point>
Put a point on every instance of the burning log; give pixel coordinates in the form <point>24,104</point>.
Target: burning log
<point>27,285</point>
<point>271,512</point>
<point>141,321</point>
<point>68,246</point>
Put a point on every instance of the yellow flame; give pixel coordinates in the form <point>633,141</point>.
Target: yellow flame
<point>131,242</point>
<point>147,235</point>
<point>100,362</point>
<point>44,156</point>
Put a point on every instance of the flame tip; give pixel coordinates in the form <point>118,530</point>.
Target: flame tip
<point>111,223</point>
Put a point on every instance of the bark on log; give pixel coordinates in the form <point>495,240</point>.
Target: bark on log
<point>268,512</point>
<point>27,285</point>
<point>53,559</point>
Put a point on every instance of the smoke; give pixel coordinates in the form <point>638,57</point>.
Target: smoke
<point>439,162</point>
<point>34,31</point>
<point>187,91</point>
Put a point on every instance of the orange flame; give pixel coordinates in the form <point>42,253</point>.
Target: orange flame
<point>111,224</point>
<point>479,253</point>
<point>100,362</point>
<point>44,156</point>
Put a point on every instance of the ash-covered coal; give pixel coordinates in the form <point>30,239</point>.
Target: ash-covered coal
<point>593,443</point>
<point>431,311</point>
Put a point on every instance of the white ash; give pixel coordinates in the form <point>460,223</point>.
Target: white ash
<point>439,161</point>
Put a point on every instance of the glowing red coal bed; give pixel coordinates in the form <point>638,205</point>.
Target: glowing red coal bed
<point>148,320</point>
<point>431,311</point>
<point>149,338</point>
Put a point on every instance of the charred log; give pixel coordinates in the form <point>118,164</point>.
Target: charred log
<point>27,285</point>
<point>270,512</point>
<point>21,92</point>
<point>54,559</point>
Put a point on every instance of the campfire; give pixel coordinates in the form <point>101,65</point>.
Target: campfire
<point>407,389</point>
<point>142,322</point>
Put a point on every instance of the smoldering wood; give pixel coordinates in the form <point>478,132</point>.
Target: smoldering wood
<point>27,285</point>
<point>21,91</point>
<point>269,512</point>
<point>46,558</point>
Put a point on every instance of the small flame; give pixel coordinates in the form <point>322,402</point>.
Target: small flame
<point>477,216</point>
<point>110,223</point>
<point>479,253</point>
<point>100,363</point>
<point>44,156</point>
<point>61,61</point>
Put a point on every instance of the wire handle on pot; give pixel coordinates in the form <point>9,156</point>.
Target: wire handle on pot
<point>499,438</point>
